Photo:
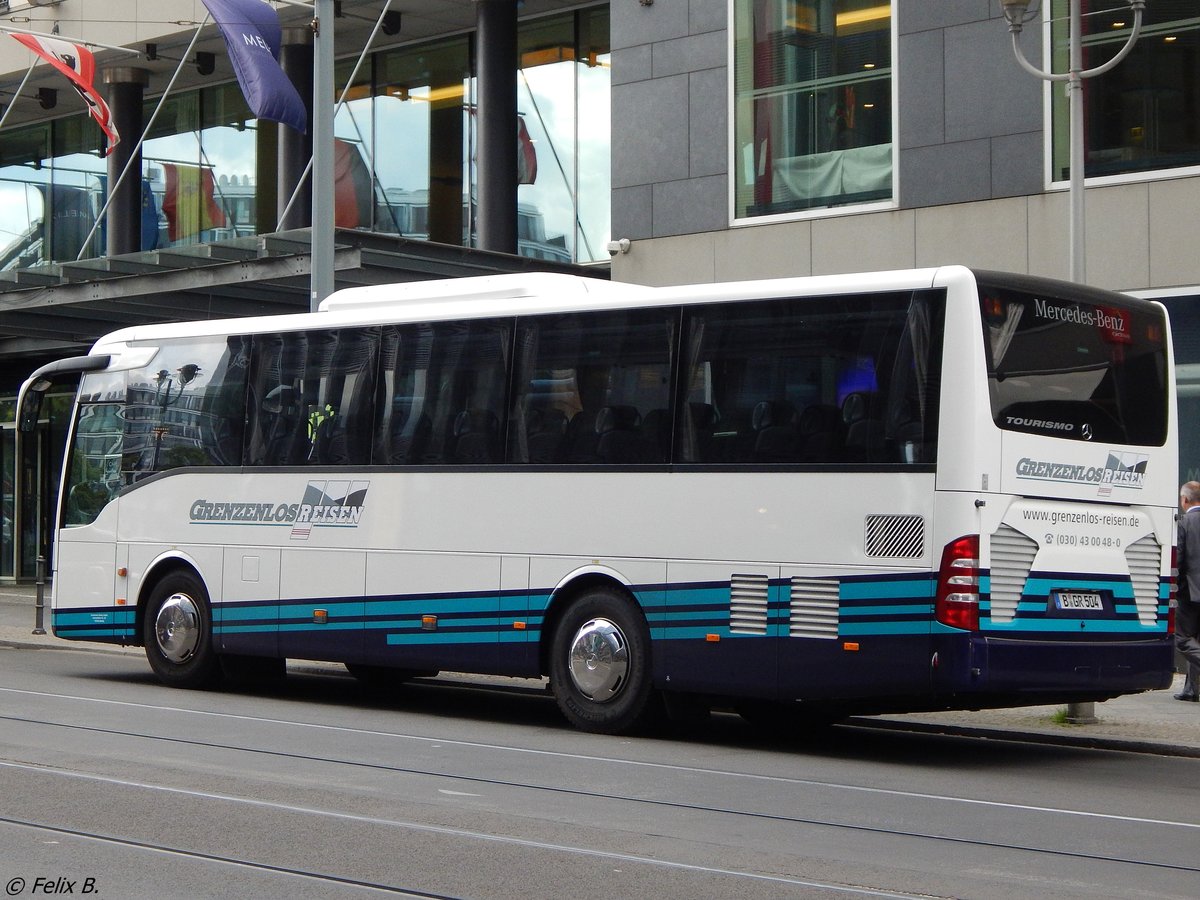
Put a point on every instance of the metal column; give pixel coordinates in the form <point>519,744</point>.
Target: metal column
<point>126,88</point>
<point>496,65</point>
<point>295,149</point>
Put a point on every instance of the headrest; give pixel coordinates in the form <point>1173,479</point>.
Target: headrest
<point>771,413</point>
<point>858,406</point>
<point>475,420</point>
<point>617,418</point>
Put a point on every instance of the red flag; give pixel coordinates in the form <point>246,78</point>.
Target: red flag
<point>352,199</point>
<point>189,203</point>
<point>526,155</point>
<point>79,65</point>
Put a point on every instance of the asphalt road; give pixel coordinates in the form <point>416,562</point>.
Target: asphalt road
<point>113,786</point>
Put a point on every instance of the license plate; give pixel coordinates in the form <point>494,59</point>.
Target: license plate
<point>1078,600</point>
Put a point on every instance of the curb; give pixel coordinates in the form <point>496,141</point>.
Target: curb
<point>1016,735</point>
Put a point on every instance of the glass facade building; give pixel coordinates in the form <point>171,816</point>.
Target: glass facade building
<point>406,164</point>
<point>405,156</point>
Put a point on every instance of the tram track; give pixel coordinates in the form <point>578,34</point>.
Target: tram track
<point>580,794</point>
<point>266,868</point>
<point>394,890</point>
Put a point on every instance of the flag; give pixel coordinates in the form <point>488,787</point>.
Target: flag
<point>189,202</point>
<point>526,155</point>
<point>149,214</point>
<point>68,219</point>
<point>352,198</point>
<point>149,217</point>
<point>252,37</point>
<point>79,65</point>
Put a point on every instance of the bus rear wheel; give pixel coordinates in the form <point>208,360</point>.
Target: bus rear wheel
<point>600,664</point>
<point>177,633</point>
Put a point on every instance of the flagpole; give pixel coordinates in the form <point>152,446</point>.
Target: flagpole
<point>323,221</point>
<point>9,29</point>
<point>112,190</point>
<point>340,103</point>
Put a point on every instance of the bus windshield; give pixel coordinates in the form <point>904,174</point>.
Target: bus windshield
<point>1065,367</point>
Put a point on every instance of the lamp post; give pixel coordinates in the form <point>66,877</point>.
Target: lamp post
<point>1018,14</point>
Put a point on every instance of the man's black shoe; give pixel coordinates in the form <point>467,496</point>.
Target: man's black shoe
<point>1194,698</point>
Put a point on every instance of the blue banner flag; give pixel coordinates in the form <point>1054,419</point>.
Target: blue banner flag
<point>252,37</point>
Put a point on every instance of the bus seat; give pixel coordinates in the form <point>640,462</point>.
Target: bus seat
<point>546,429</point>
<point>476,437</point>
<point>619,441</point>
<point>656,429</point>
<point>776,438</point>
<point>703,427</point>
<point>820,428</point>
<point>864,427</point>
<point>581,437</point>
<point>408,434</point>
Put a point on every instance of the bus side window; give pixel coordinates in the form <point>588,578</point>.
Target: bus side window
<point>838,380</point>
<point>345,400</point>
<point>593,388</point>
<point>402,425</point>
<point>277,432</point>
<point>186,408</point>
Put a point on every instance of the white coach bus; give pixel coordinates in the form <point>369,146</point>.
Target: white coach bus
<point>933,489</point>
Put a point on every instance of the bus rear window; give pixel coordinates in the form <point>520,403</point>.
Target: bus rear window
<point>1075,367</point>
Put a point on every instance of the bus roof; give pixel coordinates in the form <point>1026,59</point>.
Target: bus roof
<point>529,293</point>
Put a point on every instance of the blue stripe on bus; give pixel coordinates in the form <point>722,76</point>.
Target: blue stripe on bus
<point>886,604</point>
<point>97,618</point>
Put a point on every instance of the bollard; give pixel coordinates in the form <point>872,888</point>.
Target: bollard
<point>40,605</point>
<point>1081,714</point>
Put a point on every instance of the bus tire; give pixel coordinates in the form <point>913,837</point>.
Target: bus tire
<point>600,663</point>
<point>177,633</point>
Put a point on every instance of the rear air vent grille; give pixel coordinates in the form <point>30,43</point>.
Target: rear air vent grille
<point>895,537</point>
<point>1012,558</point>
<point>814,608</point>
<point>1144,558</point>
<point>748,604</point>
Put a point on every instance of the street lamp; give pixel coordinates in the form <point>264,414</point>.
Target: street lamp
<point>163,382</point>
<point>1018,14</point>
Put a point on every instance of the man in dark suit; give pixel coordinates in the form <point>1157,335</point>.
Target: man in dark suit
<point>1187,615</point>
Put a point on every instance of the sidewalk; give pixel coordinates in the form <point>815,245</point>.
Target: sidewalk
<point>1152,722</point>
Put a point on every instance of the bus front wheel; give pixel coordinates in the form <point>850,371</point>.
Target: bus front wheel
<point>177,633</point>
<point>600,664</point>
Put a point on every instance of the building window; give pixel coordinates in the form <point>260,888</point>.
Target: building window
<point>1144,115</point>
<point>198,169</point>
<point>812,104</point>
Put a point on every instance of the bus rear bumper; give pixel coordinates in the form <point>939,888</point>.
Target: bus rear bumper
<point>1007,666</point>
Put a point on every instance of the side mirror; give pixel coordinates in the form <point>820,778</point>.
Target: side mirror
<point>31,405</point>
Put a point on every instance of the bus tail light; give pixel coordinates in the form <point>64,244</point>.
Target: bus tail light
<point>957,603</point>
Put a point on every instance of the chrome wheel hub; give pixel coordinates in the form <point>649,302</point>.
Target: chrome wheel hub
<point>599,660</point>
<point>177,628</point>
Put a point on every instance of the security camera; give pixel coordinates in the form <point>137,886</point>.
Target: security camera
<point>621,246</point>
